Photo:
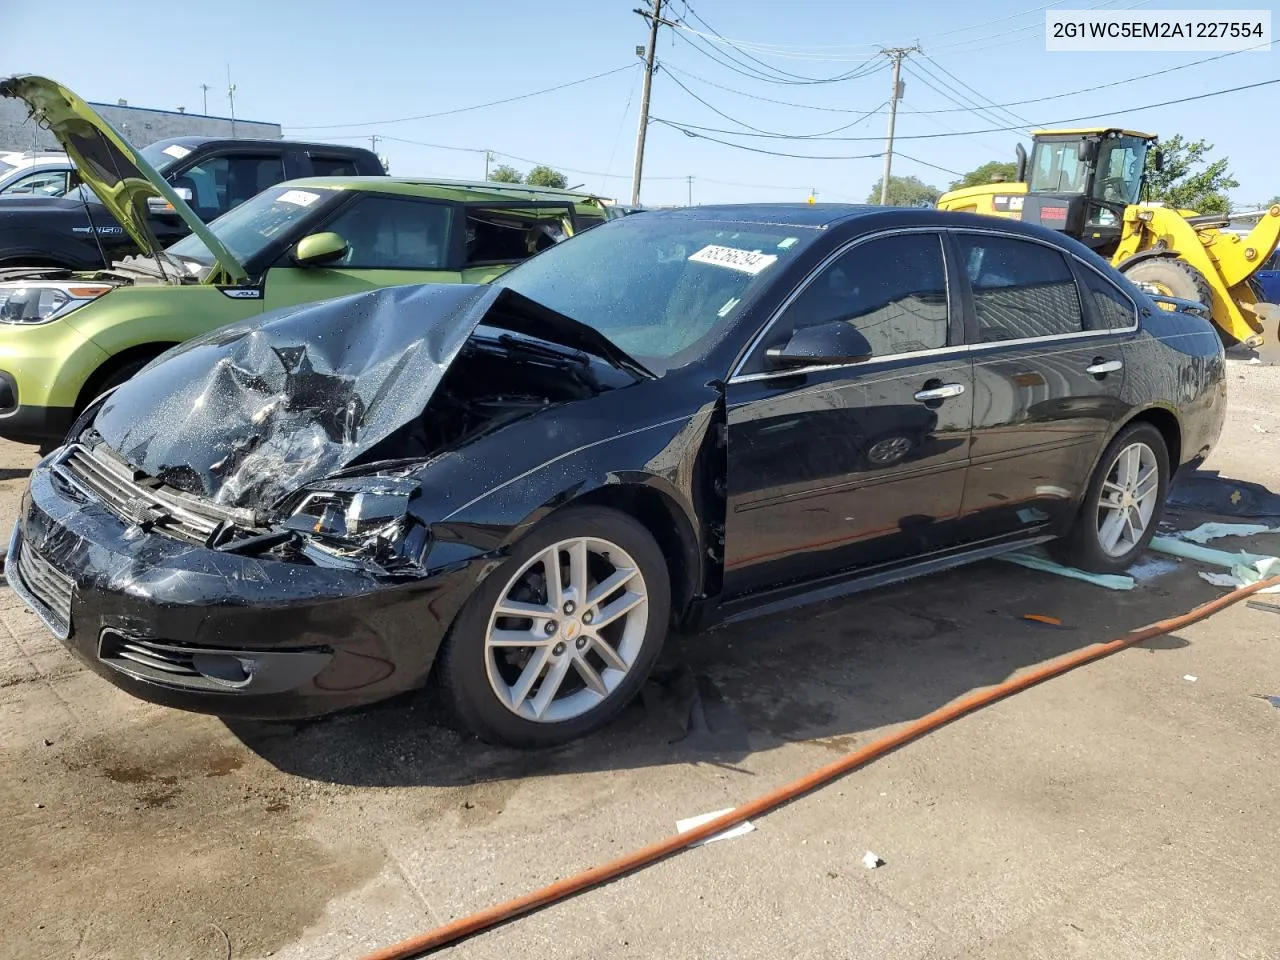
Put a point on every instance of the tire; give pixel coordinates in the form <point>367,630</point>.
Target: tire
<point>482,681</point>
<point>1180,279</point>
<point>112,380</point>
<point>1084,546</point>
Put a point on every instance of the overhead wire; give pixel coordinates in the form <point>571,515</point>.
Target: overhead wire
<point>725,59</point>
<point>980,97</point>
<point>941,88</point>
<point>477,106</point>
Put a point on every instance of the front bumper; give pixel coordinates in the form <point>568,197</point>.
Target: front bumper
<point>198,629</point>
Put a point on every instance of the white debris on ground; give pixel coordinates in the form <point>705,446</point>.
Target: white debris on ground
<point>690,823</point>
<point>871,861</point>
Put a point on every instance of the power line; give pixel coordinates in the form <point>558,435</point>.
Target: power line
<point>980,96</point>
<point>477,106</point>
<point>767,133</point>
<point>771,153</point>
<point>747,70</point>
<point>954,96</point>
<point>926,163</point>
<point>1006,129</point>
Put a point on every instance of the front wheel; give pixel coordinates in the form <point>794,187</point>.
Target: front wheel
<point>1122,506</point>
<point>559,638</point>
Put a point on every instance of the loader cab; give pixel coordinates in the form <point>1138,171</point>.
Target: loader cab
<point>1081,181</point>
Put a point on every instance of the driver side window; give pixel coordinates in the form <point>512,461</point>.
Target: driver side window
<point>892,289</point>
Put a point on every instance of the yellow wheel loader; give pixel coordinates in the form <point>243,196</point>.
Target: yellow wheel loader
<point>1088,184</point>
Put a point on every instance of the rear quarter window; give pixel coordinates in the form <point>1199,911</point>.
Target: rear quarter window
<point>333,167</point>
<point>1113,307</point>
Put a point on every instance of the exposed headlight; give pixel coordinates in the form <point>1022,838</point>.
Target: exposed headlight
<point>352,508</point>
<point>30,302</point>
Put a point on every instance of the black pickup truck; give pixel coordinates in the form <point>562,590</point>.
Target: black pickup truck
<point>213,176</point>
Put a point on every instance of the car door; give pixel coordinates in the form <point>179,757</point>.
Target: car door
<point>838,467</point>
<point>391,239</point>
<point>1048,379</point>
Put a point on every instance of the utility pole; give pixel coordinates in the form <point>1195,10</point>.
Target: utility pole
<point>488,159</point>
<point>896,54</point>
<point>690,180</point>
<point>373,142</point>
<point>231,99</point>
<point>654,17</point>
<point>204,90</point>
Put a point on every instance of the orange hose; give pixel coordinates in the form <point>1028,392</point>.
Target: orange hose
<point>570,886</point>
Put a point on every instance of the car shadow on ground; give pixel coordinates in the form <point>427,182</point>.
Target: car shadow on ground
<point>827,674</point>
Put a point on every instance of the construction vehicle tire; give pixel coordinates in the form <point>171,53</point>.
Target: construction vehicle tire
<point>1176,278</point>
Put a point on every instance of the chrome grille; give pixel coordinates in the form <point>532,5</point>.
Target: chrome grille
<point>49,587</point>
<point>119,488</point>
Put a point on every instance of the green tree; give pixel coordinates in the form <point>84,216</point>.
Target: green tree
<point>1189,180</point>
<point>906,192</point>
<point>544,176</point>
<point>1274,200</point>
<point>504,173</point>
<point>987,173</point>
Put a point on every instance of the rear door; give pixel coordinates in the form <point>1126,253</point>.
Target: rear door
<point>838,467</point>
<point>1048,378</point>
<point>391,239</point>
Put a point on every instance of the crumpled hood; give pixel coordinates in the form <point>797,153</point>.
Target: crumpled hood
<point>250,412</point>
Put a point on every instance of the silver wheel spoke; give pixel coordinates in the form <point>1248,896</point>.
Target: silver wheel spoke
<point>529,676</point>
<point>578,571</point>
<point>515,638</point>
<point>1112,527</point>
<point>609,655</point>
<point>550,686</point>
<point>1115,489</point>
<point>623,605</point>
<point>551,570</point>
<point>611,584</point>
<point>589,676</point>
<point>516,608</point>
<point>1132,457</point>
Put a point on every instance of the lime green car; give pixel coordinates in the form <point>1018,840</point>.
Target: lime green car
<point>66,338</point>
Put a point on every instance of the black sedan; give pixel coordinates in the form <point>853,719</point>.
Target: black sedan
<point>674,419</point>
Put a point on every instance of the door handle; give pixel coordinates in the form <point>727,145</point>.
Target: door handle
<point>1101,367</point>
<point>941,392</point>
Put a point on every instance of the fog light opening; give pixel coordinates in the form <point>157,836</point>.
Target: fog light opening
<point>223,667</point>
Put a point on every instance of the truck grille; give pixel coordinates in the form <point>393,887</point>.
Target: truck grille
<point>121,490</point>
<point>49,587</point>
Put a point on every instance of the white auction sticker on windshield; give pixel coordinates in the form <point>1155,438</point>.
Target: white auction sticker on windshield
<point>299,198</point>
<point>748,261</point>
<point>175,150</point>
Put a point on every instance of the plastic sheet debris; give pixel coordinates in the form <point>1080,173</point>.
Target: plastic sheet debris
<point>1189,678</point>
<point>1220,579</point>
<point>1208,491</point>
<point>1214,531</point>
<point>1274,701</point>
<point>689,823</point>
<point>1191,551</point>
<point>871,860</point>
<point>1036,561</point>
<point>1242,574</point>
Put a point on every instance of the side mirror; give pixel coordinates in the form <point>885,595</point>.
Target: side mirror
<point>1086,150</point>
<point>1021,153</point>
<point>317,249</point>
<point>1158,161</point>
<point>160,205</point>
<point>826,343</point>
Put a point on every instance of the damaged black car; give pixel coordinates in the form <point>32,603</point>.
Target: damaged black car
<point>675,419</point>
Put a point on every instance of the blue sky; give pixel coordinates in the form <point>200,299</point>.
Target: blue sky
<point>321,67</point>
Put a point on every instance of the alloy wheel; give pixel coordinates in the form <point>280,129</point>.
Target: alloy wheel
<point>567,630</point>
<point>1128,498</point>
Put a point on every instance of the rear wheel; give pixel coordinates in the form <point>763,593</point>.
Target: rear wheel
<point>1172,277</point>
<point>561,636</point>
<point>1122,506</point>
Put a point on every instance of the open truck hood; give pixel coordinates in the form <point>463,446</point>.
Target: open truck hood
<point>110,167</point>
<point>247,414</point>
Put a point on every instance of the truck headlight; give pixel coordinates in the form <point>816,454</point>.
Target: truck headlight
<point>352,508</point>
<point>32,302</point>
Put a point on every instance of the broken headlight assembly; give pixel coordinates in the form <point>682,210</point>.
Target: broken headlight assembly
<point>354,513</point>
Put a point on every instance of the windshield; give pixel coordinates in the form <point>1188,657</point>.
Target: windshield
<point>1120,167</point>
<point>658,287</point>
<point>258,223</point>
<point>163,154</point>
<point>1056,168</point>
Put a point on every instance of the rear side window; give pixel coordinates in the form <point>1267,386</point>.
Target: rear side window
<point>1021,290</point>
<point>333,167</point>
<point>509,235</point>
<point>1115,310</point>
<point>222,183</point>
<point>893,289</point>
